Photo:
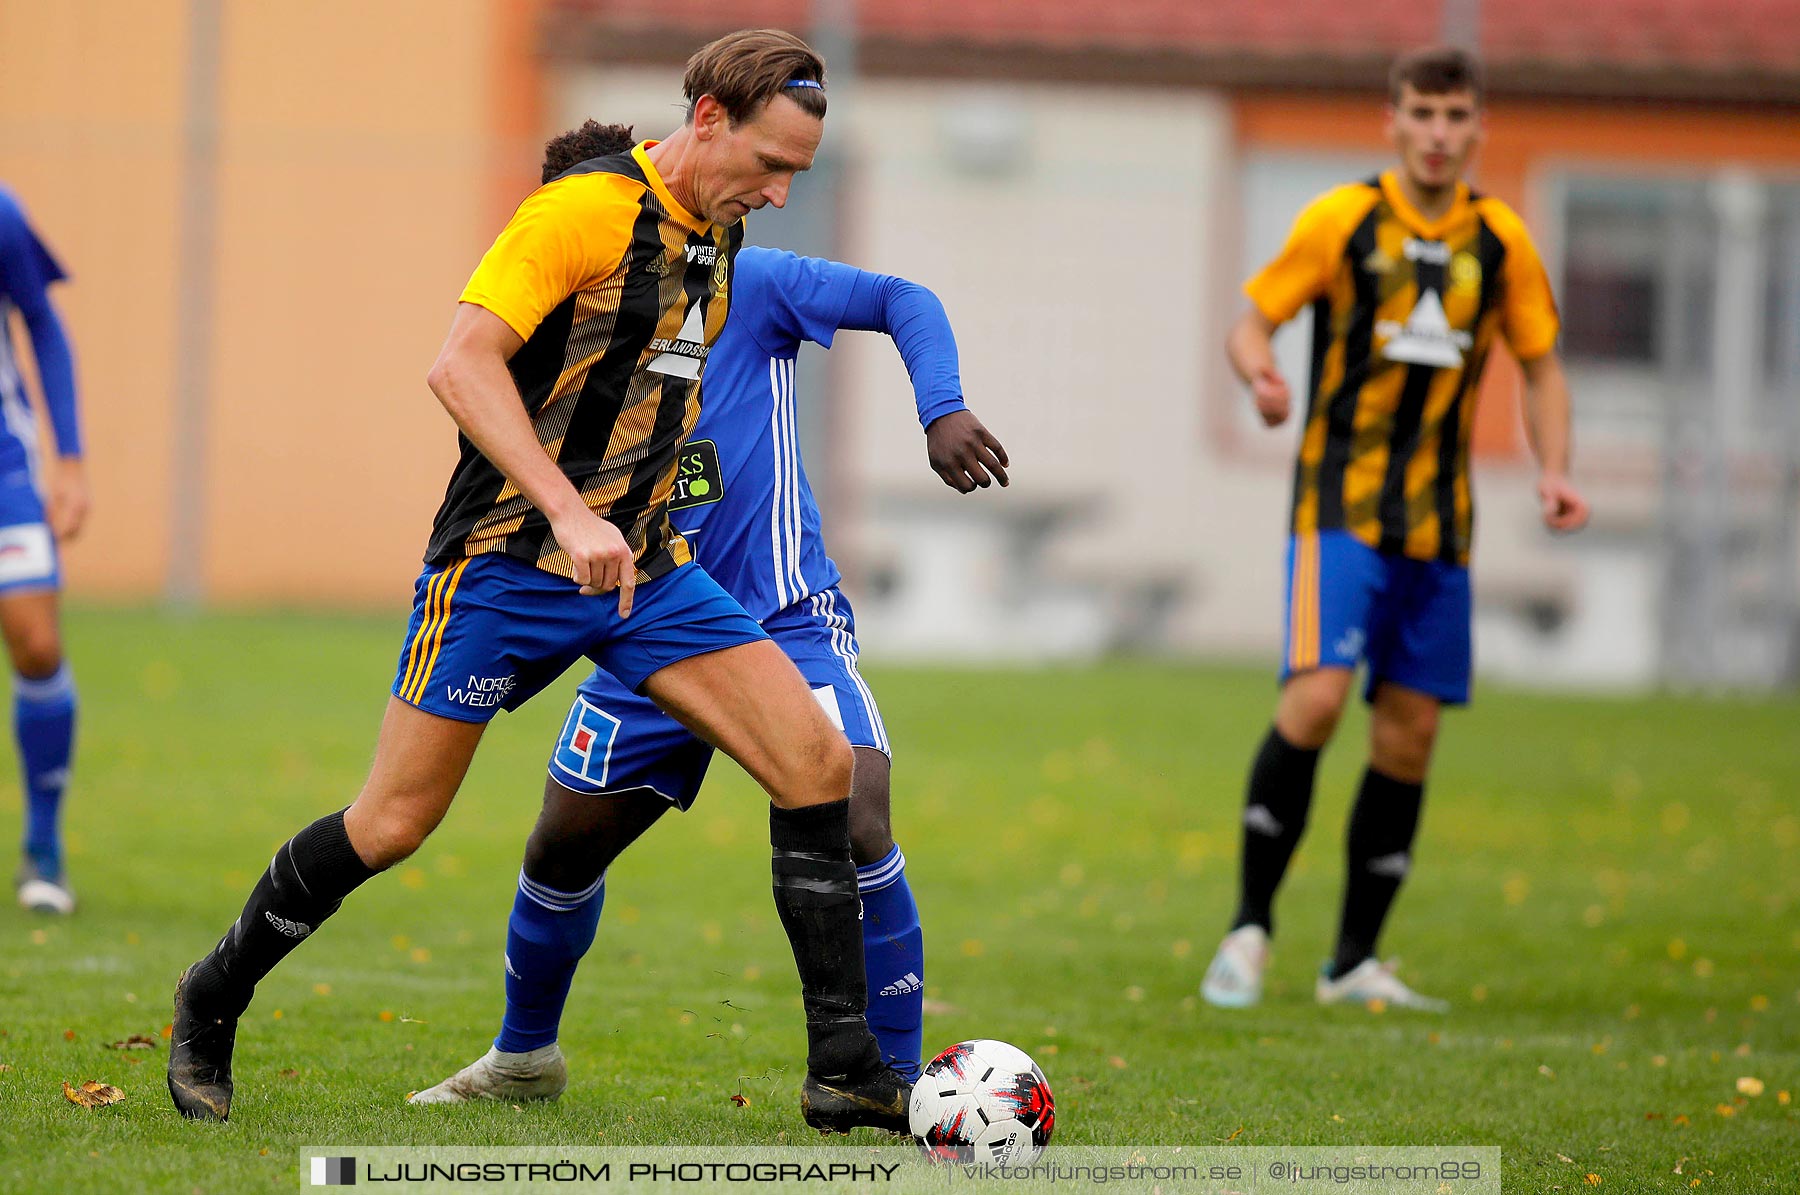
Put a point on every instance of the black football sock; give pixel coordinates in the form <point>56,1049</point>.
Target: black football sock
<point>1382,826</point>
<point>815,894</point>
<point>1275,807</point>
<point>308,879</point>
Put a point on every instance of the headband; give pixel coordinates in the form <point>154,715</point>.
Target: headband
<point>816,86</point>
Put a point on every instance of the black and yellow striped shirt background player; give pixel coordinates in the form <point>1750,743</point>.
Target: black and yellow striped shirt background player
<point>1404,313</point>
<point>619,293</point>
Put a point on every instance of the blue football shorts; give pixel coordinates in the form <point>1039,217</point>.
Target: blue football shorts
<point>1348,603</point>
<point>488,632</point>
<point>28,558</point>
<point>615,740</point>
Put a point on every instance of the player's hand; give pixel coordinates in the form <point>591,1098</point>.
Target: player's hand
<point>599,557</point>
<point>1563,506</point>
<point>66,498</point>
<point>964,453</point>
<point>1270,390</point>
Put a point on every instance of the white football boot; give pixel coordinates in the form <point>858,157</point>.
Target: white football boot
<point>1235,977</point>
<point>539,1074</point>
<point>1373,983</point>
<point>43,894</point>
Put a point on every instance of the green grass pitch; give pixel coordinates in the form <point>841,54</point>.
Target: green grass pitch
<point>1608,890</point>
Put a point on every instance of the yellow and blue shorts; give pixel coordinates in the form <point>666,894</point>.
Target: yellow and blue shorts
<point>489,632</point>
<point>1348,603</point>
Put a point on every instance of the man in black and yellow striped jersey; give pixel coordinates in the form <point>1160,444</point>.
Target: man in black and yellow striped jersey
<point>573,369</point>
<point>1410,277</point>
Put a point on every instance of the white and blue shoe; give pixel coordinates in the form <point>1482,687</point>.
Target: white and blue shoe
<point>1374,984</point>
<point>41,892</point>
<point>1234,979</point>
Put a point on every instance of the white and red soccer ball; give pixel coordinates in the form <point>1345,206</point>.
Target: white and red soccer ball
<point>982,1101</point>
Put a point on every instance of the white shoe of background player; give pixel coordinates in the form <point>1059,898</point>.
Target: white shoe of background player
<point>1235,977</point>
<point>1371,981</point>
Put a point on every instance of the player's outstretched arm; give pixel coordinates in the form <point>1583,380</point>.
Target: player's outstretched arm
<point>961,450</point>
<point>1547,418</point>
<point>471,379</point>
<point>1251,349</point>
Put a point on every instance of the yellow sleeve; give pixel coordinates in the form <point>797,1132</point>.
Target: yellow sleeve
<point>1304,268</point>
<point>566,236</point>
<point>1528,317</point>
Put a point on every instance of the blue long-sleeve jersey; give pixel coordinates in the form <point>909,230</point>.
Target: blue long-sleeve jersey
<point>26,272</point>
<point>742,499</point>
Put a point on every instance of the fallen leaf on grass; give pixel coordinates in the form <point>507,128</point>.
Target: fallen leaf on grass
<point>68,1035</point>
<point>1725,1110</point>
<point>1565,1158</point>
<point>1546,1072</point>
<point>288,1072</point>
<point>136,1041</point>
<point>4,1067</point>
<point>1234,1134</point>
<point>1681,1119</point>
<point>741,1100</point>
<point>1116,1062</point>
<point>1750,1085</point>
<point>413,1021</point>
<point>92,1094</point>
<point>1592,1180</point>
<point>1784,1098</point>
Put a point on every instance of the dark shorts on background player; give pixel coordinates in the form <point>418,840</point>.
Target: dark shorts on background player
<point>615,740</point>
<point>28,559</point>
<point>1409,619</point>
<point>488,632</point>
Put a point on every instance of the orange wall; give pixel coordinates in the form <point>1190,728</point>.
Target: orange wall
<point>363,154</point>
<point>1524,138</point>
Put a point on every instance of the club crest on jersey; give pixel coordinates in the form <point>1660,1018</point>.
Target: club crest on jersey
<point>585,747</point>
<point>698,480</point>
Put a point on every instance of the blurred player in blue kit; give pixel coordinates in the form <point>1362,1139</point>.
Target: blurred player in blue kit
<point>746,507</point>
<point>41,505</point>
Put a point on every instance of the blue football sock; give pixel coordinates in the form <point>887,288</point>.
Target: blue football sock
<point>894,956</point>
<point>44,725</point>
<point>546,936</point>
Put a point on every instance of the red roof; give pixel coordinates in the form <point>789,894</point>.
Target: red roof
<point>1705,47</point>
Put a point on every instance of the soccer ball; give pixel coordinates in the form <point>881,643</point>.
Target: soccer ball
<point>982,1101</point>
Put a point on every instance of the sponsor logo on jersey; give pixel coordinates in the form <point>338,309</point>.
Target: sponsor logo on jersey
<point>291,929</point>
<point>481,692</point>
<point>703,253</point>
<point>1426,338</point>
<point>681,357</point>
<point>585,748</point>
<point>1431,252</point>
<point>698,480</point>
<point>900,987</point>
